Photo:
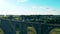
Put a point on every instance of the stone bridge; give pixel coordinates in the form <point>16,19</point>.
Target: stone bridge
<point>9,26</point>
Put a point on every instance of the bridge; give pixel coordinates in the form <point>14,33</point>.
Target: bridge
<point>9,26</point>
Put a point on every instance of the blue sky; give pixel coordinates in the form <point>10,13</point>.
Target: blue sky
<point>29,7</point>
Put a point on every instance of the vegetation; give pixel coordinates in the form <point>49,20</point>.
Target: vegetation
<point>55,19</point>
<point>55,31</point>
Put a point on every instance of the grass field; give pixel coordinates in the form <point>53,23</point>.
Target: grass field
<point>55,31</point>
<point>1,31</point>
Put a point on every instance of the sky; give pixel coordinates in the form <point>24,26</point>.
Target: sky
<point>29,7</point>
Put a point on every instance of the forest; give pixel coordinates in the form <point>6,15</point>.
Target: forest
<point>55,19</point>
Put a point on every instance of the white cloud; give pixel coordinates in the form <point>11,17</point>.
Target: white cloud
<point>42,10</point>
<point>32,10</point>
<point>21,0</point>
<point>1,2</point>
<point>9,9</point>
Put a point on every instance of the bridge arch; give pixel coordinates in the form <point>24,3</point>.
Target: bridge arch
<point>36,27</point>
<point>48,28</point>
<point>31,30</point>
<point>55,30</point>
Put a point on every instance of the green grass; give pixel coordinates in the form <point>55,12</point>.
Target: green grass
<point>31,30</point>
<point>1,31</point>
<point>55,31</point>
<point>17,32</point>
